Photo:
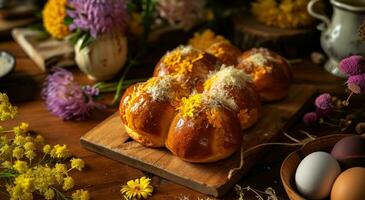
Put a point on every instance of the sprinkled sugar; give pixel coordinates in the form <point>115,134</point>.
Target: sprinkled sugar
<point>227,76</point>
<point>160,89</point>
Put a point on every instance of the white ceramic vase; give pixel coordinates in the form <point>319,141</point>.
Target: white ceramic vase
<point>340,37</point>
<point>104,57</point>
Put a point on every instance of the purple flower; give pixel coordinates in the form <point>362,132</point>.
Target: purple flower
<point>184,13</point>
<point>356,83</point>
<point>323,113</point>
<point>66,98</point>
<point>324,102</point>
<point>310,118</point>
<point>352,65</point>
<point>98,16</point>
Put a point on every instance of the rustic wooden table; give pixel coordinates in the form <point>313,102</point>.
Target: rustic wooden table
<point>103,177</point>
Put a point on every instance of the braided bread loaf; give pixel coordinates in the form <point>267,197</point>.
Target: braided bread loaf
<point>195,105</point>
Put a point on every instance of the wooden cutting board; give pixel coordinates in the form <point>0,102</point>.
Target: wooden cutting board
<point>110,139</point>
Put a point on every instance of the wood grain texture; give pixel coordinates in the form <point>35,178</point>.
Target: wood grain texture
<point>109,138</point>
<point>45,53</point>
<point>291,43</point>
<point>21,10</point>
<point>7,25</point>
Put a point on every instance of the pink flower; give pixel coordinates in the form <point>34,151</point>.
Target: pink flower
<point>356,83</point>
<point>310,118</point>
<point>324,102</point>
<point>66,98</point>
<point>353,65</point>
<point>184,13</point>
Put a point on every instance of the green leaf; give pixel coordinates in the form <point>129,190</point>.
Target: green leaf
<point>68,20</point>
<point>87,40</point>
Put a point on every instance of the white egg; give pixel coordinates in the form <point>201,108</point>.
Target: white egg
<point>316,174</point>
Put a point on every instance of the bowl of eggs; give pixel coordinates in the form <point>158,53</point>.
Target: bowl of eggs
<point>330,167</point>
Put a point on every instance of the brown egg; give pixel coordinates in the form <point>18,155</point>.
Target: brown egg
<point>350,151</point>
<point>349,185</point>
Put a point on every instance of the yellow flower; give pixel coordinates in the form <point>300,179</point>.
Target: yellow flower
<point>19,140</point>
<point>7,164</point>
<point>137,189</point>
<point>22,129</point>
<point>39,141</point>
<point>7,111</point>
<point>18,152</point>
<point>49,194</point>
<point>81,195</point>
<point>47,149</point>
<point>60,168</point>
<point>17,192</point>
<point>77,163</point>
<point>205,39</point>
<point>54,15</point>
<point>30,154</point>
<point>25,183</point>
<point>29,146</point>
<point>5,150</point>
<point>60,151</point>
<point>20,166</point>
<point>68,183</point>
<point>285,14</point>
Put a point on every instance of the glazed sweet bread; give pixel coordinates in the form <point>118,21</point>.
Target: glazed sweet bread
<point>235,89</point>
<point>195,106</point>
<point>189,64</point>
<point>204,130</point>
<point>270,72</point>
<point>147,109</point>
<point>225,51</point>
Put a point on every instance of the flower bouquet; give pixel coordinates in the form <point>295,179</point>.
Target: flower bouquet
<point>334,112</point>
<point>98,35</point>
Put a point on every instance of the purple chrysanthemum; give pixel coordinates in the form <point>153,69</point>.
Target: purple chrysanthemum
<point>352,65</point>
<point>356,83</point>
<point>324,102</point>
<point>98,16</point>
<point>184,13</point>
<point>66,98</point>
<point>310,118</point>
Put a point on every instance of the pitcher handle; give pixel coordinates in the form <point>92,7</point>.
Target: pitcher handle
<point>321,17</point>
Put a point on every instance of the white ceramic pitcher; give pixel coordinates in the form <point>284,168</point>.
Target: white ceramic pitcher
<point>340,37</point>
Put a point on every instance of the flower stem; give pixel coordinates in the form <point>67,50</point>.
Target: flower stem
<point>348,99</point>
<point>59,194</point>
<point>121,82</point>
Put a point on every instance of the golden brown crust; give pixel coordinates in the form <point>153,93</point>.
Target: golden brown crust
<point>248,104</point>
<point>148,119</point>
<point>196,139</point>
<point>191,66</point>
<point>270,72</point>
<point>225,51</point>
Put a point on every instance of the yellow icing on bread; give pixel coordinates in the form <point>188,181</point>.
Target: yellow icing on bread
<point>190,105</point>
<point>181,60</point>
<point>214,117</point>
